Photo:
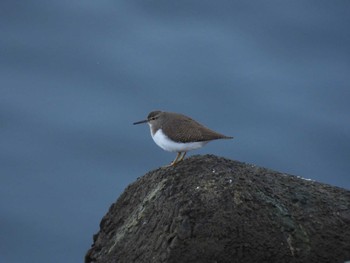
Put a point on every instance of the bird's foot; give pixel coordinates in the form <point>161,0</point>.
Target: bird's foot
<point>179,157</point>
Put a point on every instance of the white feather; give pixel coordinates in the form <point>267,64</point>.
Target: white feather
<point>168,145</point>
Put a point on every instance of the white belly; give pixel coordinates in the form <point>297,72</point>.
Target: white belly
<point>166,144</point>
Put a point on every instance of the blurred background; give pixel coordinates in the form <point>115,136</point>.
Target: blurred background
<point>75,75</point>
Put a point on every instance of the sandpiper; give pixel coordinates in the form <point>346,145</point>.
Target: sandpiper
<point>175,132</point>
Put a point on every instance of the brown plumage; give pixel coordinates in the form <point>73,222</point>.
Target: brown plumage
<point>179,133</point>
<point>186,129</point>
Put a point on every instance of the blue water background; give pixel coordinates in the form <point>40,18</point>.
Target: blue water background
<point>74,75</point>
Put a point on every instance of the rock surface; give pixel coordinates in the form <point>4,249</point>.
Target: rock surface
<point>211,209</point>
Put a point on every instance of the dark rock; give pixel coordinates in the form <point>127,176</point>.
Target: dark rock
<point>211,209</point>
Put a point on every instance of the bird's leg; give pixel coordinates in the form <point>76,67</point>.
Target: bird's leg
<point>176,159</point>
<point>182,157</point>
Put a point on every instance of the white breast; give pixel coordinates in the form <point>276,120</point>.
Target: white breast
<point>166,144</point>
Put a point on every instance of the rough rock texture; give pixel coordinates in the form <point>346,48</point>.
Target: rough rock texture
<point>211,209</point>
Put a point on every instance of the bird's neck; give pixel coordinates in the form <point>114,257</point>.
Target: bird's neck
<point>153,129</point>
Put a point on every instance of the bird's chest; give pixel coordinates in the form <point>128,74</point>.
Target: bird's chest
<point>167,144</point>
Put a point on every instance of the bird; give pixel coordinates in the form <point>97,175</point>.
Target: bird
<point>175,132</point>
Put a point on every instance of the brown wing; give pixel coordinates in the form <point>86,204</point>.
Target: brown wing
<point>188,130</point>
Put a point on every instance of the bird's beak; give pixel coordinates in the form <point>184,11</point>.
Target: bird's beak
<point>139,122</point>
